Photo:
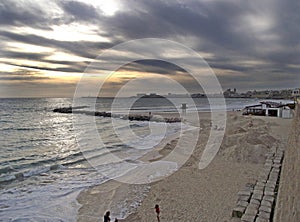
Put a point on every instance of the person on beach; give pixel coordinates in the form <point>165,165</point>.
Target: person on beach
<point>157,210</point>
<point>106,216</point>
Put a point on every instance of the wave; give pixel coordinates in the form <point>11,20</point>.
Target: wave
<point>7,178</point>
<point>74,162</point>
<point>20,129</point>
<point>6,170</point>
<point>27,129</point>
<point>26,170</point>
<point>31,164</point>
<point>21,171</point>
<point>5,121</point>
<point>30,168</point>
<point>33,172</point>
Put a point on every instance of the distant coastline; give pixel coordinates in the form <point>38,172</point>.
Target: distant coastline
<point>228,93</point>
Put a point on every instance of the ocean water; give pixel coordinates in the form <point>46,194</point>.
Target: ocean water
<point>45,161</point>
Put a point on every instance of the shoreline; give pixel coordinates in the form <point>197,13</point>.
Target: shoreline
<point>216,182</point>
<point>116,191</point>
<point>86,199</point>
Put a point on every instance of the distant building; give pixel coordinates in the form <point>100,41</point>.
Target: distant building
<point>151,95</point>
<point>296,92</point>
<point>228,93</point>
<point>261,94</point>
<point>286,93</point>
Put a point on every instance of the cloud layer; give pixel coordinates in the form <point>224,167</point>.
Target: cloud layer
<point>249,44</point>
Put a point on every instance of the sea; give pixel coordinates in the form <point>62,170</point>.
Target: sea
<point>45,157</point>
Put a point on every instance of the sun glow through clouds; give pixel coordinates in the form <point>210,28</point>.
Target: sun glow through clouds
<point>108,7</point>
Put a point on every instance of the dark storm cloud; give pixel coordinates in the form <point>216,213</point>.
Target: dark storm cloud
<point>80,10</point>
<point>219,28</point>
<point>153,66</point>
<point>25,55</point>
<point>19,13</point>
<point>79,66</point>
<point>209,21</point>
<point>38,14</point>
<point>59,69</point>
<point>287,22</point>
<point>84,49</point>
<point>228,66</point>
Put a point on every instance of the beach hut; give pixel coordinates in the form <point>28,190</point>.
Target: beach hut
<point>269,109</point>
<point>272,108</point>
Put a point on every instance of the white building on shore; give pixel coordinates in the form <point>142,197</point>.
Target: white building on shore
<point>270,109</point>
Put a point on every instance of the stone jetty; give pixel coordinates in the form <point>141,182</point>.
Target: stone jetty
<point>256,202</point>
<point>131,117</point>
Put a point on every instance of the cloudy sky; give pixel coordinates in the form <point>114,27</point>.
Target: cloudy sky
<point>45,46</point>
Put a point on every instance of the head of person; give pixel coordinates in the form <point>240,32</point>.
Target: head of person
<point>107,213</point>
<point>156,206</point>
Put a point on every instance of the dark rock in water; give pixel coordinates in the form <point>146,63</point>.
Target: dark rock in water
<point>63,110</point>
<point>135,117</point>
<point>68,109</point>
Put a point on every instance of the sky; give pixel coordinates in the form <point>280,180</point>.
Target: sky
<point>47,47</point>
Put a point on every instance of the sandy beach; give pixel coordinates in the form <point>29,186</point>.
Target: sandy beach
<point>191,194</point>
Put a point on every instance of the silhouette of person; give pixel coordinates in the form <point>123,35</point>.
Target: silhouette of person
<point>106,216</point>
<point>157,210</point>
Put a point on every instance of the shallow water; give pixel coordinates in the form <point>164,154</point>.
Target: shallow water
<point>45,158</point>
